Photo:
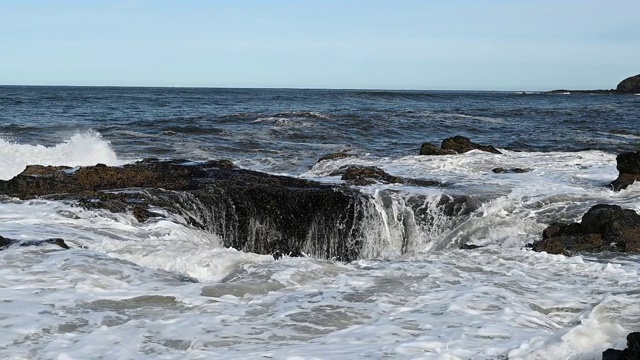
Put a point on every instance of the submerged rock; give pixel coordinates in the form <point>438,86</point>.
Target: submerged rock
<point>368,175</point>
<point>5,242</point>
<point>628,165</point>
<point>603,228</point>
<point>500,170</point>
<point>338,155</point>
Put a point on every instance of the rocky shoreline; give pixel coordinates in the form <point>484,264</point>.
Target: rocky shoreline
<point>268,214</point>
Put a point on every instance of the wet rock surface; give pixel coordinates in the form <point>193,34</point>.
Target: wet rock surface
<point>632,352</point>
<point>333,156</point>
<point>368,175</point>
<point>455,145</point>
<point>431,149</point>
<point>249,210</point>
<point>603,228</point>
<point>501,170</point>
<point>5,242</point>
<point>628,165</point>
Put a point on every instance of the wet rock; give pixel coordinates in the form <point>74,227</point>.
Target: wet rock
<point>249,210</point>
<point>500,170</point>
<point>5,242</point>
<point>431,149</point>
<point>628,165</point>
<point>632,352</point>
<point>367,175</point>
<point>455,145</point>
<point>469,246</point>
<point>338,155</point>
<point>141,214</point>
<point>461,144</point>
<point>603,228</point>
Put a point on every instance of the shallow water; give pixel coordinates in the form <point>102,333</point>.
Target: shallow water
<point>161,289</point>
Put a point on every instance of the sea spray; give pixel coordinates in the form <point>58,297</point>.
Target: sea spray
<point>81,149</point>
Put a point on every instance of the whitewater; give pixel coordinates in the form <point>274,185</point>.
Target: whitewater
<point>163,289</point>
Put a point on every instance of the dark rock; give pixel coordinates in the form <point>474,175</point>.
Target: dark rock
<point>613,354</point>
<point>628,165</point>
<point>500,170</point>
<point>461,144</point>
<point>632,352</point>
<point>4,242</point>
<point>141,214</point>
<point>249,210</point>
<point>469,246</point>
<point>603,228</point>
<point>430,149</point>
<point>338,155</point>
<point>630,85</point>
<point>367,175</point>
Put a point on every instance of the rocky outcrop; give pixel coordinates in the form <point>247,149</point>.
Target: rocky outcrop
<point>628,165</point>
<point>603,228</point>
<point>455,145</point>
<point>249,210</point>
<point>630,85</point>
<point>632,352</point>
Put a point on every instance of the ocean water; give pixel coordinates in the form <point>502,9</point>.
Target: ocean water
<point>164,290</point>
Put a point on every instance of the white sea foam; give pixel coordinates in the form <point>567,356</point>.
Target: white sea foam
<point>127,289</point>
<point>81,149</point>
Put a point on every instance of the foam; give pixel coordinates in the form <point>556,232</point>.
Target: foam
<point>81,149</point>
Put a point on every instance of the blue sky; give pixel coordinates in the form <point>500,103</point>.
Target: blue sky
<point>399,44</point>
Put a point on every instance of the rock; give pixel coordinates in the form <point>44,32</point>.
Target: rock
<point>249,210</point>
<point>603,228</point>
<point>630,85</point>
<point>39,170</point>
<point>461,144</point>
<point>469,246</point>
<point>141,214</point>
<point>5,242</point>
<point>632,352</point>
<point>368,175</point>
<point>500,170</point>
<point>338,155</point>
<point>628,165</point>
<point>430,149</point>
<point>455,145</point>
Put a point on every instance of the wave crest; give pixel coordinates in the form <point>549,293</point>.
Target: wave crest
<point>81,149</point>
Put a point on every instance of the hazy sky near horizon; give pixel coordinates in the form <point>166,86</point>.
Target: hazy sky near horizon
<point>391,44</point>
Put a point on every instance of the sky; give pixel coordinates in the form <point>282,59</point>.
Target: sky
<point>365,44</point>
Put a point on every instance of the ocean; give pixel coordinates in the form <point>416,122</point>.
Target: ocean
<point>163,289</point>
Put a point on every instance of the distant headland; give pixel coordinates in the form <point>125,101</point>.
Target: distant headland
<point>630,85</point>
